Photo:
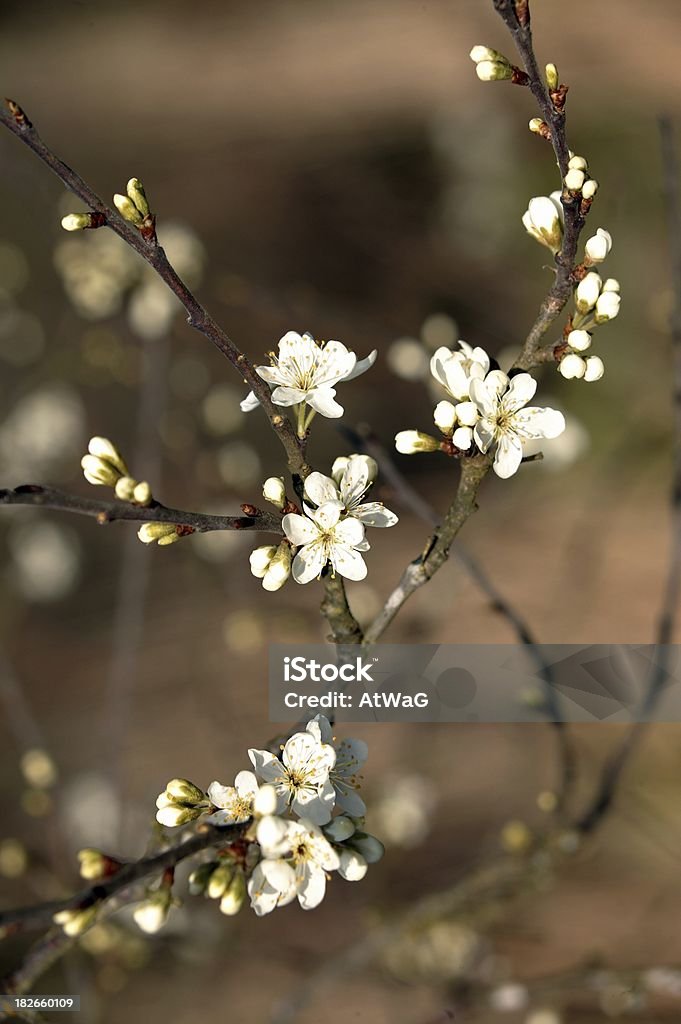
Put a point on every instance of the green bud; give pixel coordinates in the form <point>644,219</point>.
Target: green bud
<point>136,193</point>
<point>127,209</point>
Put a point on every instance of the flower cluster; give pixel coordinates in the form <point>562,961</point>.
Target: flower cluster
<point>596,302</point>
<point>488,413</point>
<point>292,837</point>
<point>331,530</point>
<point>304,375</point>
<point>104,466</point>
<point>577,180</point>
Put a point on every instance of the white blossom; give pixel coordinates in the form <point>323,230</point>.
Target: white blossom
<point>273,490</point>
<point>504,420</point>
<point>455,370</point>
<point>306,371</point>
<point>572,366</point>
<point>234,803</point>
<point>301,777</point>
<point>322,537</point>
<point>344,775</point>
<point>544,220</point>
<point>296,857</point>
<point>594,368</point>
<point>351,480</point>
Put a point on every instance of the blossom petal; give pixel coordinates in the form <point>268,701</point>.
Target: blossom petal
<point>268,767</point>
<point>320,488</point>
<point>437,365</point>
<point>484,434</point>
<point>288,396</point>
<point>279,874</point>
<point>250,402</point>
<point>309,562</point>
<point>508,456</point>
<point>327,515</point>
<point>299,529</point>
<point>320,728</point>
<point>349,532</point>
<point>246,784</point>
<point>221,796</point>
<point>311,887</point>
<point>362,365</point>
<point>348,562</point>
<point>353,866</point>
<point>335,362</point>
<point>322,401</point>
<point>374,513</point>
<point>354,482</point>
<point>534,422</point>
<point>520,391</point>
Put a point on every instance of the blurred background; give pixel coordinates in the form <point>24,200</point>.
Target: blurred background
<point>335,168</point>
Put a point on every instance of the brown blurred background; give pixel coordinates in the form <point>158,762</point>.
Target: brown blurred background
<point>335,168</point>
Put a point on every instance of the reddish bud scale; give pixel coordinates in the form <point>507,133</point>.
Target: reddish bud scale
<point>184,531</point>
<point>519,77</point>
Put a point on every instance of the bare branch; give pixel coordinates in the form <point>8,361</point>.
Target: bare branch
<point>146,245</point>
<point>111,511</point>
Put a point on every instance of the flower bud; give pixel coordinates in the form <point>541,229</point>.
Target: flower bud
<point>103,448</point>
<point>353,866</point>
<point>125,488</point>
<point>482,53</point>
<point>141,494</point>
<point>233,900</point>
<point>174,815</point>
<point>136,193</point>
<point>93,863</point>
<point>579,341</point>
<point>572,366</point>
<point>597,247</point>
<point>543,219</point>
<point>467,414</point>
<point>199,877</point>
<point>611,284</point>
<point>150,915</point>
<point>594,369</point>
<point>552,77</point>
<point>587,292</point>
<point>538,126</point>
<point>265,801</point>
<point>339,829</point>
<point>184,790</point>
<point>607,307</point>
<point>127,209</point>
<point>493,71</point>
<point>574,179</point>
<point>408,442</point>
<point>76,221</point>
<point>462,438</point>
<point>273,490</point>
<point>371,848</point>
<point>162,533</point>
<point>279,569</point>
<point>341,463</point>
<point>99,472</point>
<point>219,880</point>
<point>589,188</point>
<point>260,559</point>
<point>444,416</point>
<point>75,922</point>
<point>577,163</point>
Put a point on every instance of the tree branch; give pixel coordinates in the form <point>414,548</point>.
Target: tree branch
<point>111,511</point>
<point>146,245</point>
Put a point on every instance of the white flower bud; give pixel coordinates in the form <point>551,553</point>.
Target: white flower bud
<point>467,414</point>
<point>444,416</point>
<point>152,914</point>
<point>611,284</point>
<point>265,801</point>
<point>125,488</point>
<point>353,866</point>
<point>594,368</point>
<point>543,219</point>
<point>493,71</point>
<point>589,188</point>
<point>607,307</point>
<point>577,163</point>
<point>552,76</point>
<point>598,247</point>
<point>93,863</point>
<point>75,922</point>
<point>371,848</point>
<point>184,790</point>
<point>587,292</point>
<point>462,438</point>
<point>233,900</point>
<point>136,193</point>
<point>198,879</point>
<point>141,494</point>
<point>572,366</point>
<point>127,209</point>
<point>579,341</point>
<point>219,880</point>
<point>98,471</point>
<point>173,815</point>
<point>162,533</point>
<point>574,179</point>
<point>279,569</point>
<point>536,125</point>
<point>341,463</point>
<point>408,442</point>
<point>76,221</point>
<point>481,53</point>
<point>339,829</point>
<point>260,559</point>
<point>103,448</point>
<point>273,490</point>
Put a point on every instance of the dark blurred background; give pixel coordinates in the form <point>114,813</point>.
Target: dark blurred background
<point>335,168</point>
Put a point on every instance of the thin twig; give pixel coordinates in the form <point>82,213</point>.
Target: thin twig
<point>146,245</point>
<point>111,511</point>
<point>615,765</point>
